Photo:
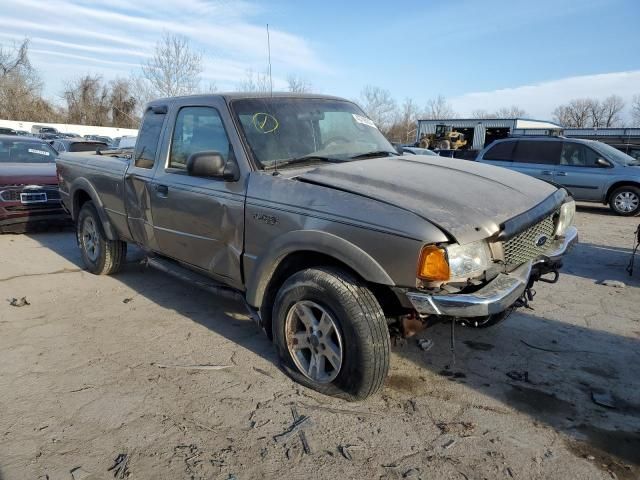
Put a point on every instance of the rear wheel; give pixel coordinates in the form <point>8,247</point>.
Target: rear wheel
<point>625,201</point>
<point>331,334</point>
<point>100,255</point>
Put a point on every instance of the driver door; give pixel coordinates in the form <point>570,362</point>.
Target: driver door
<point>199,220</point>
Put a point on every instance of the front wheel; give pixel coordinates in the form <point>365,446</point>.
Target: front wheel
<point>625,201</point>
<point>101,255</point>
<point>331,334</point>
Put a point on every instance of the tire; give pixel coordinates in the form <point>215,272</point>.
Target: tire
<point>444,145</point>
<point>356,328</point>
<point>625,201</point>
<point>100,255</point>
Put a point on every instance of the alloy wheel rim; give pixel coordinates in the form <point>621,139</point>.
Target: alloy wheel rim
<point>627,201</point>
<point>314,341</point>
<point>90,239</point>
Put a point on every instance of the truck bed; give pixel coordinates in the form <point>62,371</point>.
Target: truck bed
<point>105,173</point>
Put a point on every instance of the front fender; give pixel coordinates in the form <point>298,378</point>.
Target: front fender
<point>83,185</point>
<point>311,241</point>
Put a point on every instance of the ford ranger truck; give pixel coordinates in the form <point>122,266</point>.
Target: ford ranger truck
<point>299,206</point>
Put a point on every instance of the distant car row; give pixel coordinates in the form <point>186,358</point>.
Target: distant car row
<point>51,134</point>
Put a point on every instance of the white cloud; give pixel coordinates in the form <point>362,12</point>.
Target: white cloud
<point>123,33</point>
<point>540,99</point>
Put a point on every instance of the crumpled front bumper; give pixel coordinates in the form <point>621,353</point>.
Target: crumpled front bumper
<point>498,295</point>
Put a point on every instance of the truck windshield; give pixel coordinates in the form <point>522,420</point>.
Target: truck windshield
<point>285,131</point>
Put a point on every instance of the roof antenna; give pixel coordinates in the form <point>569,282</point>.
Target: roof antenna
<point>269,52</point>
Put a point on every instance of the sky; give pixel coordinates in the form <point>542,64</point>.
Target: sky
<point>479,54</point>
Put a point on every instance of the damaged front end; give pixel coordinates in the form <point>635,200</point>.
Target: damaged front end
<point>527,249</point>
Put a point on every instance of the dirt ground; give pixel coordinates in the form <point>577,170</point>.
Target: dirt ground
<point>91,370</point>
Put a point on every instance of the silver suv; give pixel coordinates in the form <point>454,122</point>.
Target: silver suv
<point>592,171</point>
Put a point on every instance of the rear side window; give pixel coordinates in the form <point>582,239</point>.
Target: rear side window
<point>198,129</point>
<point>148,139</point>
<point>540,152</point>
<point>500,151</point>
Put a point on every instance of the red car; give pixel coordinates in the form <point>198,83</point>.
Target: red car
<point>28,184</point>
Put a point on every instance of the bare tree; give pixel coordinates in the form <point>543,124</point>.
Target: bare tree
<point>297,84</point>
<point>610,111</point>
<point>481,114</point>
<point>255,82</point>
<point>511,112</point>
<point>590,112</point>
<point>123,104</point>
<point>87,101</point>
<point>635,110</point>
<point>21,87</point>
<point>404,126</point>
<point>504,112</point>
<point>438,108</point>
<point>379,105</point>
<point>174,69</point>
<point>575,114</point>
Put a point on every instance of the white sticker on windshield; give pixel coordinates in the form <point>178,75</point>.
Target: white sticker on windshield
<point>39,152</point>
<point>363,120</point>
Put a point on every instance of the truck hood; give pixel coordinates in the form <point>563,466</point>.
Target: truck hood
<point>28,174</point>
<point>468,200</point>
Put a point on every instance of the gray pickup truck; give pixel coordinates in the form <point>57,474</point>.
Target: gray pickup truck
<point>298,206</point>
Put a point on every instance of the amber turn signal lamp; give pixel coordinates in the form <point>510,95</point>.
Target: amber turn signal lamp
<point>433,265</point>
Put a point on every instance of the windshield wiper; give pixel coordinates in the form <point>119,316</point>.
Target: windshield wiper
<point>376,153</point>
<point>305,159</point>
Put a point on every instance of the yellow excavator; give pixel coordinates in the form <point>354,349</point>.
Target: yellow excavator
<point>445,138</point>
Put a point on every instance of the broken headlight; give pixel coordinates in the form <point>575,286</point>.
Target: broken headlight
<point>565,220</point>
<point>467,261</point>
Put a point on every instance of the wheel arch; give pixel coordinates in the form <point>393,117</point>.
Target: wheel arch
<point>618,184</point>
<point>300,250</point>
<point>81,192</point>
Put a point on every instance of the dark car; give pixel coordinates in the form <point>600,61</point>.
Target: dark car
<point>7,131</point>
<point>99,138</point>
<point>28,184</point>
<point>77,145</point>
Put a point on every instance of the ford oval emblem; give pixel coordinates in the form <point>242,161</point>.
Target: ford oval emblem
<point>541,240</point>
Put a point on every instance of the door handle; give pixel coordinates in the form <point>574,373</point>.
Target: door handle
<point>546,172</point>
<point>162,190</point>
<point>561,174</point>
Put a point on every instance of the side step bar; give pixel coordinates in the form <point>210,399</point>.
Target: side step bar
<point>189,276</point>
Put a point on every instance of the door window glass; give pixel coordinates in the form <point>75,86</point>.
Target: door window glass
<point>148,139</point>
<point>537,151</point>
<point>578,155</point>
<point>198,129</point>
<point>501,151</point>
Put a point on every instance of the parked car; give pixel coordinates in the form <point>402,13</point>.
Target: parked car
<point>23,133</point>
<point>418,151</point>
<point>77,145</point>
<point>298,206</point>
<point>38,129</point>
<point>99,138</point>
<point>7,131</point>
<point>28,184</point>
<point>591,171</point>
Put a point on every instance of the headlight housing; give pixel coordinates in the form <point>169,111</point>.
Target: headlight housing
<point>455,262</point>
<point>466,261</point>
<point>565,220</point>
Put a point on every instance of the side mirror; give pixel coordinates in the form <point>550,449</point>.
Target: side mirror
<point>210,163</point>
<point>205,164</point>
<point>602,163</point>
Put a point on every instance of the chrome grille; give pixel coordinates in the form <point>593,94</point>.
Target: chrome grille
<point>525,245</point>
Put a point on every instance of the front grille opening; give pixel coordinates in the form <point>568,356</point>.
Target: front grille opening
<point>530,243</point>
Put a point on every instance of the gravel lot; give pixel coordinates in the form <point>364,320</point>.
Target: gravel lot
<point>82,381</point>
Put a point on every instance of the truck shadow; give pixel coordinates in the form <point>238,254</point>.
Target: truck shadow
<point>545,368</point>
<point>602,262</point>
<point>582,381</point>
